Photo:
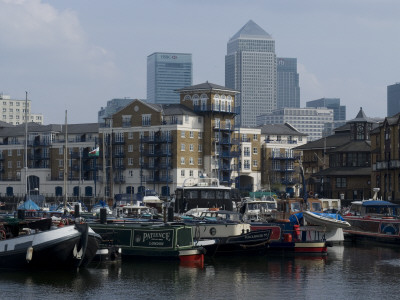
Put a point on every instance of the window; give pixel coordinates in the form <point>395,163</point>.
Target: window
<point>130,135</point>
<point>61,163</point>
<point>341,182</point>
<point>9,152</point>
<point>10,164</point>
<point>255,150</point>
<point>182,173</point>
<point>130,161</point>
<point>191,134</point>
<point>191,173</point>
<point>130,148</point>
<point>191,161</point>
<point>200,135</point>
<point>19,152</point>
<point>200,148</point>
<point>183,147</point>
<point>246,164</point>
<point>255,137</point>
<point>182,160</point>
<point>183,134</point>
<point>146,120</point>
<point>255,163</point>
<point>61,151</point>
<point>200,161</point>
<point>191,147</point>
<point>18,164</point>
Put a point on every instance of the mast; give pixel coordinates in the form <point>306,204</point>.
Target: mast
<point>26,146</point>
<point>65,161</point>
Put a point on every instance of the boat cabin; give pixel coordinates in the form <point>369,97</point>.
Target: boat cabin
<point>203,193</point>
<point>374,208</point>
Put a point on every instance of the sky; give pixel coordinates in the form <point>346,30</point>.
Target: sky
<point>76,55</point>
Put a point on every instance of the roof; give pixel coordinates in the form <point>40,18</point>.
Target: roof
<point>328,142</point>
<point>361,117</point>
<point>354,146</point>
<point>176,109</point>
<point>206,86</point>
<point>280,129</point>
<point>344,171</point>
<point>379,203</point>
<point>251,30</point>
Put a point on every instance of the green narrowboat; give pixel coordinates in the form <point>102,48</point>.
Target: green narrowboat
<point>165,240</point>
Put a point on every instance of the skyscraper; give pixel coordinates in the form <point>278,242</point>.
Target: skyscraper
<point>339,111</point>
<point>250,68</point>
<point>167,72</point>
<point>288,89</point>
<point>393,99</point>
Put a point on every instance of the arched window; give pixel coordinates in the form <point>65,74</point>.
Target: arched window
<point>76,191</point>
<point>10,191</point>
<point>58,191</point>
<point>165,191</point>
<point>130,190</point>
<point>88,191</point>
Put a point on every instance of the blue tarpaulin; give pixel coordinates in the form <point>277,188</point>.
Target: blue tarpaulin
<point>29,205</point>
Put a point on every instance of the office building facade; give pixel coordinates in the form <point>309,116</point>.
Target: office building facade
<point>310,121</point>
<point>166,73</point>
<point>339,111</point>
<point>288,89</point>
<point>13,111</point>
<point>250,68</point>
<point>393,99</point>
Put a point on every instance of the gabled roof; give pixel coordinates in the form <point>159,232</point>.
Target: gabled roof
<point>176,109</point>
<point>328,142</point>
<point>206,86</point>
<point>353,146</point>
<point>280,129</point>
<point>251,30</point>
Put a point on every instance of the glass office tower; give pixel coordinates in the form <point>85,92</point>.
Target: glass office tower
<point>167,72</point>
<point>288,89</point>
<point>250,68</point>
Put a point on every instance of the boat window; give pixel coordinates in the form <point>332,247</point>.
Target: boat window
<point>192,194</point>
<point>272,205</point>
<point>220,194</point>
<point>207,194</point>
<point>253,206</point>
<point>295,206</point>
<point>316,206</point>
<point>227,195</point>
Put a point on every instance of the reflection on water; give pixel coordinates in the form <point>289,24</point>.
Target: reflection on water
<point>347,272</point>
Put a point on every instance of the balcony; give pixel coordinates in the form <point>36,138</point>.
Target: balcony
<point>157,153</point>
<point>119,154</point>
<point>229,154</point>
<point>158,179</point>
<point>214,108</point>
<point>156,140</point>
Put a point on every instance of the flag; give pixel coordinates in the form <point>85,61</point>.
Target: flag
<point>94,152</point>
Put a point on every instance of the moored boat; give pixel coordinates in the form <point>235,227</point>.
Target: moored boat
<point>373,220</point>
<point>164,241</point>
<point>325,219</point>
<point>39,244</point>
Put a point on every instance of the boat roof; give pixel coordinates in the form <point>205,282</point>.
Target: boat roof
<point>378,203</point>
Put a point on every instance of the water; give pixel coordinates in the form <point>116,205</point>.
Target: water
<point>348,272</point>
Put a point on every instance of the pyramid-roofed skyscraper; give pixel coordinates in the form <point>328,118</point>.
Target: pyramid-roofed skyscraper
<point>250,67</point>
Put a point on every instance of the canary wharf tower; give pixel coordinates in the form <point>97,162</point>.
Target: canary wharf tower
<point>250,67</point>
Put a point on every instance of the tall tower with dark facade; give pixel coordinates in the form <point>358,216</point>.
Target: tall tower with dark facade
<point>288,89</point>
<point>393,99</point>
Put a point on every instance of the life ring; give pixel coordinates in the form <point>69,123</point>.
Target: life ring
<point>311,194</point>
